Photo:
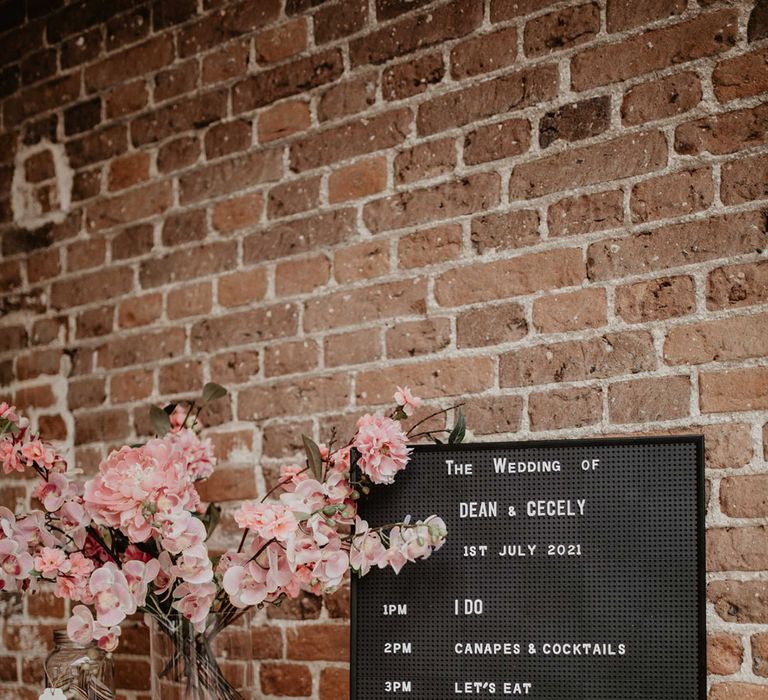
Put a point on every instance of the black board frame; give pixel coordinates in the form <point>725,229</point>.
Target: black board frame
<point>696,439</point>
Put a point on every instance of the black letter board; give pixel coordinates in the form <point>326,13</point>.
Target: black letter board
<point>599,594</point>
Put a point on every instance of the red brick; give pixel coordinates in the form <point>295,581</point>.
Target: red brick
<point>353,348</point>
<point>290,358</point>
<point>82,117</point>
<point>500,140</point>
<point>296,397</point>
<point>724,654</point>
<point>360,179</point>
<point>741,76</point>
<point>450,21</point>
<point>415,338</point>
<point>178,154</point>
<point>227,137</point>
<point>677,244</point>
<point>626,14</point>
<point>738,285</point>
<point>193,113</point>
<point>353,139</point>
<point>472,194</point>
<point>744,180</point>
<point>661,99</point>
<point>144,58</point>
<point>503,279</point>
<point>244,287</point>
<point>95,322</point>
<point>759,654</point>
<point>491,325</point>
<point>649,400</point>
<point>429,379</point>
<point>565,408</point>
<point>235,367</point>
<point>229,61</point>
<point>86,254</point>
<point>281,42</point>
<point>586,213</point>
<point>672,195</point>
<point>570,311</point>
<point>347,97</point>
<point>365,304</point>
<point>705,35</point>
<point>561,30</point>
<point>737,549</point>
<point>241,212</point>
<point>734,390</point>
<point>478,101</point>
<point>286,80</point>
<point>744,496</point>
<point>656,300</point>
<point>283,120</point>
<point>128,28</point>
<point>39,167</point>
<point>514,229</point>
<point>95,286</point>
<point>425,160</point>
<point>245,327</point>
<point>335,21</point>
<point>575,360</point>
<point>302,276</point>
<point>188,263</point>
<point>736,338</point>
<point>81,49</point>
<point>362,261</point>
<point>41,98</point>
<point>494,414</point>
<point>140,349</point>
<point>184,227</point>
<point>738,691</point>
<point>178,80</point>
<point>127,98</point>
<point>412,77</point>
<point>293,197</point>
<point>35,364</point>
<point>128,170</point>
<point>285,679</point>
<point>97,146</point>
<point>230,175</point>
<point>300,236</point>
<point>334,682</point>
<point>612,160</point>
<point>140,311</point>
<point>739,601</point>
<point>125,208</point>
<point>180,377</point>
<point>575,121</point>
<point>724,133</point>
<point>190,300</point>
<point>430,246</point>
<point>484,53</point>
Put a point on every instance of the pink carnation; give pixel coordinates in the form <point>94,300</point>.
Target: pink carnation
<point>382,447</point>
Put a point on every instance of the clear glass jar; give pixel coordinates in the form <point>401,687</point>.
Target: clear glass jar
<point>213,664</point>
<point>81,672</point>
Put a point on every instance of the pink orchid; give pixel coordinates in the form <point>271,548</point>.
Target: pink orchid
<point>139,575</point>
<point>246,585</point>
<point>15,563</point>
<point>183,532</point>
<point>406,400</point>
<point>194,602</point>
<point>43,455</point>
<point>81,625</point>
<point>54,492</point>
<point>367,549</point>
<point>112,596</point>
<point>194,565</point>
<point>382,447</point>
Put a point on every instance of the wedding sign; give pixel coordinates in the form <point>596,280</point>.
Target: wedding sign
<point>572,569</point>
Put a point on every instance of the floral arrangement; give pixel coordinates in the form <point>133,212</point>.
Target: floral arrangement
<point>134,538</point>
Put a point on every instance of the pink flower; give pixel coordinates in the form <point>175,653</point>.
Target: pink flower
<point>8,412</point>
<point>43,455</point>
<point>193,565</point>
<point>382,447</point>
<point>194,602</point>
<point>332,566</point>
<point>291,475</point>
<point>406,400</point>
<point>183,532</point>
<point>15,564</point>
<point>81,625</point>
<point>55,491</point>
<point>269,521</point>
<point>10,456</point>
<point>367,549</point>
<point>112,596</point>
<point>107,639</point>
<point>246,585</point>
<point>139,575</point>
<point>198,454</point>
<point>49,560</point>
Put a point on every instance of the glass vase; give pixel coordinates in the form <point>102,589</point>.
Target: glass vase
<point>215,664</point>
<point>80,672</point>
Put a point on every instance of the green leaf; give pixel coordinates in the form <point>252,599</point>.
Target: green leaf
<point>314,460</point>
<point>160,420</point>
<point>7,426</point>
<point>213,391</point>
<point>459,430</point>
<point>211,519</point>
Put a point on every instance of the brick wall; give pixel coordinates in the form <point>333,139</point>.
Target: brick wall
<point>553,210</point>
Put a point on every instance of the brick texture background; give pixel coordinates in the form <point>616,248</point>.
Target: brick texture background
<point>556,211</point>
